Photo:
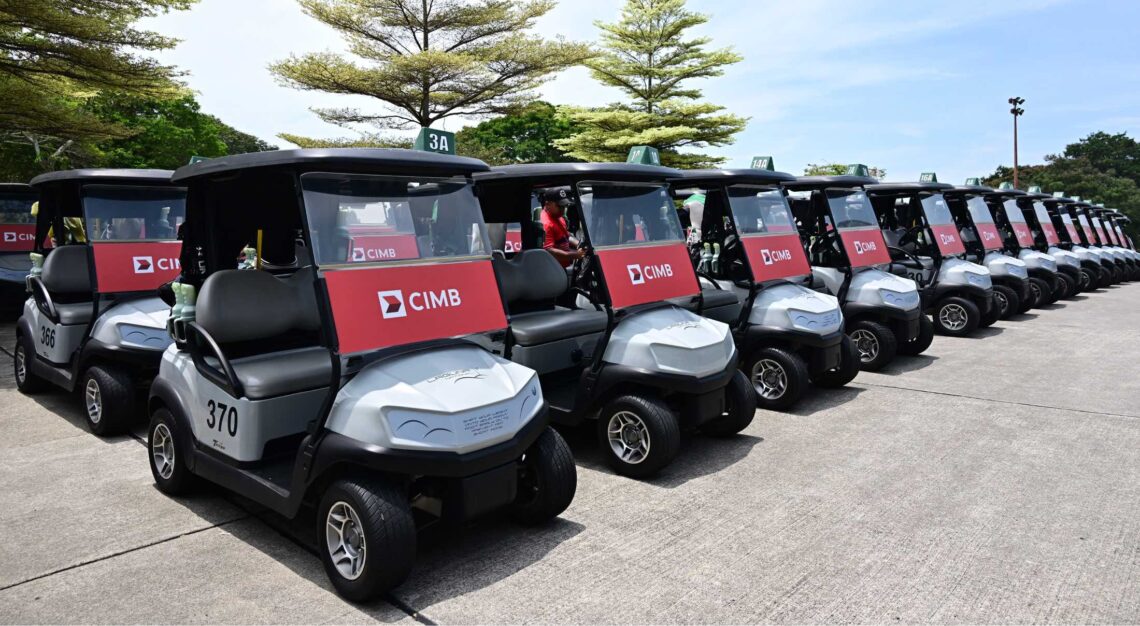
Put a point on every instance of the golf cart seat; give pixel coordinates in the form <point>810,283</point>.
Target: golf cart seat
<point>67,278</point>
<point>253,311</point>
<point>546,336</point>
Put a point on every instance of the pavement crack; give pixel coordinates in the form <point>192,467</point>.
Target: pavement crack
<point>1000,401</point>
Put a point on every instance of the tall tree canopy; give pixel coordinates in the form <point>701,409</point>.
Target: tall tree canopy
<point>429,61</point>
<point>647,56</point>
<point>525,136</point>
<point>837,169</point>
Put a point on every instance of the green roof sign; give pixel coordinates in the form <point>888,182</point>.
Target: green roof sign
<point>1035,189</point>
<point>974,181</point>
<point>645,155</point>
<point>763,163</point>
<point>198,159</point>
<point>928,177</point>
<point>1077,198</point>
<point>858,169</point>
<point>1006,186</point>
<point>1058,194</point>
<point>432,140</point>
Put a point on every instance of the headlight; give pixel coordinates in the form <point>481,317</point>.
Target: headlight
<point>901,299</point>
<point>814,322</point>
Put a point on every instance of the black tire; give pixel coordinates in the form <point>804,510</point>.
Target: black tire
<point>919,344</point>
<point>956,316</point>
<point>1117,274</point>
<point>992,315</point>
<point>1042,292</point>
<point>740,408</point>
<point>167,454</point>
<point>848,369</point>
<point>547,480</point>
<point>1070,286</point>
<point>875,343</point>
<point>1088,280</point>
<point>113,391</point>
<point>771,369</point>
<point>652,421</point>
<point>1105,277</point>
<point>1009,303</point>
<point>26,380</point>
<point>383,526</point>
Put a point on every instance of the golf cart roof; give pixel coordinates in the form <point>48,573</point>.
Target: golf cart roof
<point>885,189</point>
<point>1003,193</point>
<point>804,183</point>
<point>553,174</point>
<point>15,187</point>
<point>389,160</point>
<point>701,178</point>
<point>962,190</point>
<point>1039,196</point>
<point>103,176</point>
<point>1060,200</point>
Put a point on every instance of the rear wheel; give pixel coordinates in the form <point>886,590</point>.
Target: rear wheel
<point>366,536</point>
<point>1070,286</point>
<point>1042,293</point>
<point>779,377</point>
<point>956,316</point>
<point>846,372</point>
<point>167,460</point>
<point>26,380</point>
<point>740,408</point>
<point>1007,300</point>
<point>108,399</point>
<point>639,435</point>
<point>874,342</point>
<point>547,480</point>
<point>919,344</point>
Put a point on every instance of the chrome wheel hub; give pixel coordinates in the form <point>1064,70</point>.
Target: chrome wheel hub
<point>1002,302</point>
<point>866,343</point>
<point>770,379</point>
<point>21,365</point>
<point>953,316</point>
<point>94,401</point>
<point>344,536</point>
<point>162,451</point>
<point>629,437</point>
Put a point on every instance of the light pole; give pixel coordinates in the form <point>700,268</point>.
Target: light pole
<point>1017,112</point>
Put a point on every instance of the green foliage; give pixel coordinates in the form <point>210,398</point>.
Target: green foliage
<point>166,133</point>
<point>838,169</point>
<point>364,141</point>
<point>524,136</point>
<point>430,60</point>
<point>646,55</point>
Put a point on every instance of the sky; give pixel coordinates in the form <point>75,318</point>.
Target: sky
<point>914,86</point>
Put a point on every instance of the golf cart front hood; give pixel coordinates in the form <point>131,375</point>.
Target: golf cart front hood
<point>671,340</point>
<point>1064,258</point>
<point>962,272</point>
<point>796,307</point>
<point>1004,265</point>
<point>1038,260</point>
<point>874,287</point>
<point>455,399</point>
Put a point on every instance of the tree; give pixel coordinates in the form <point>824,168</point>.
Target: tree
<point>238,142</point>
<point>429,61</point>
<point>646,56</point>
<point>367,140</point>
<point>838,169</point>
<point>1117,154</point>
<point>525,136</point>
<point>165,133</point>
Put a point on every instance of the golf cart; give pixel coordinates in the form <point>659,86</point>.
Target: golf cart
<point>1094,274</point>
<point>17,237</point>
<point>882,312</point>
<point>1114,267</point>
<point>604,335</point>
<point>984,246</point>
<point>1044,284</point>
<point>1046,239</point>
<point>925,246</point>
<point>1108,236</point>
<point>320,380</point>
<point>95,321</point>
<point>1115,220</point>
<point>787,334</point>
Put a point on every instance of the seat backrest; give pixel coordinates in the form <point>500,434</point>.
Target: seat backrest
<point>532,277</point>
<point>497,233</point>
<point>247,305</point>
<point>893,237</point>
<point>67,271</point>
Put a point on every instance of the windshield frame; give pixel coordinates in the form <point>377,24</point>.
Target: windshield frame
<point>926,199</point>
<point>760,190</point>
<point>86,193</point>
<point>587,215</point>
<point>970,205</point>
<point>847,192</point>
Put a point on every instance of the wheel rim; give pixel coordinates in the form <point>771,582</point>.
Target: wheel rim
<point>629,437</point>
<point>867,344</point>
<point>1036,292</point>
<point>162,451</point>
<point>1085,281</point>
<point>770,379</point>
<point>1003,303</point>
<point>21,365</point>
<point>953,316</point>
<point>94,401</point>
<point>344,535</point>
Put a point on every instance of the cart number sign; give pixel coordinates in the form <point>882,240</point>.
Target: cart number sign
<point>991,238</point>
<point>135,266</point>
<point>865,246</point>
<point>379,307</point>
<point>648,273</point>
<point>775,256</point>
<point>947,238</point>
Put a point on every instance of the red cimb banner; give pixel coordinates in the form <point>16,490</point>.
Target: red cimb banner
<point>1050,233</point>
<point>1074,236</point>
<point>378,307</point>
<point>18,238</point>
<point>1023,234</point>
<point>865,246</point>
<point>991,238</point>
<point>135,265</point>
<point>948,240</point>
<point>1100,232</point>
<point>648,273</point>
<point>1111,235</point>
<point>775,256</point>
<point>373,248</point>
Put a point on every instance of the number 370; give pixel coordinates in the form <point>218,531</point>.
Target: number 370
<point>220,413</point>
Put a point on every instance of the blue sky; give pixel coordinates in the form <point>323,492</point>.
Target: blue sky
<point>911,86</point>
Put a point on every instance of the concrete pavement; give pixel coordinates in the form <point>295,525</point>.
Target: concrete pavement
<point>991,480</point>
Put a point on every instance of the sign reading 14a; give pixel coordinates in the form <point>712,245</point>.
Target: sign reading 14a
<point>432,140</point>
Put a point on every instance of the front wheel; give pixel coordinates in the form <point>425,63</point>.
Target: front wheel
<point>1088,281</point>
<point>366,536</point>
<point>167,458</point>
<point>1007,300</point>
<point>875,343</point>
<point>847,370</point>
<point>639,435</point>
<point>26,380</point>
<point>1070,286</point>
<point>1042,293</point>
<point>740,408</point>
<point>108,398</point>
<point>547,480</point>
<point>956,316</point>
<point>780,377</point>
<point>919,344</point>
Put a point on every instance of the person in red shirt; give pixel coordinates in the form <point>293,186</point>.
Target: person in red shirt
<point>557,239</point>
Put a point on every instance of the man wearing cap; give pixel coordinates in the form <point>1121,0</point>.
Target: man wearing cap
<point>557,239</point>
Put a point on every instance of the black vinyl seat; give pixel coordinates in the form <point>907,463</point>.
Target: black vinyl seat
<point>282,373</point>
<point>531,329</point>
<point>531,282</point>
<point>714,298</point>
<point>67,276</point>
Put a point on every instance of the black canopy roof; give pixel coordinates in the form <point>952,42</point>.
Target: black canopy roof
<point>15,187</point>
<point>103,176</point>
<point>698,178</point>
<point>1001,193</point>
<point>552,174</point>
<point>886,189</point>
<point>803,183</point>
<point>393,160</point>
<point>962,190</point>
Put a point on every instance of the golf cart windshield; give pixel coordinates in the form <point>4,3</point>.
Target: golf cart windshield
<point>132,213</point>
<point>1013,212</point>
<point>850,208</point>
<point>1017,222</point>
<point>1090,235</point>
<point>941,224</point>
<point>620,214</point>
<point>363,218</point>
<point>1099,231</point>
<point>984,223</point>
<point>1067,220</point>
<point>1046,223</point>
<point>16,207</point>
<point>936,211</point>
<point>760,210</point>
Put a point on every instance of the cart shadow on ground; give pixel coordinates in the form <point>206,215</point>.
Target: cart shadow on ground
<point>819,399</point>
<point>905,364</point>
<point>981,333</point>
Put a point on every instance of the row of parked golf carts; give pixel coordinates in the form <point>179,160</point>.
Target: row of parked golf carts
<point>376,339</point>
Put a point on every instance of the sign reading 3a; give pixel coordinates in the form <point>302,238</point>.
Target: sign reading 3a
<point>432,140</point>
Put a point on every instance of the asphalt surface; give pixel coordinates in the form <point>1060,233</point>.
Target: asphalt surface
<point>993,479</point>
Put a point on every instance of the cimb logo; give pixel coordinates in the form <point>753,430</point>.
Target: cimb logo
<point>147,264</point>
<point>372,254</point>
<point>862,247</point>
<point>947,239</point>
<point>13,237</point>
<point>393,303</point>
<point>638,274</point>
<point>775,256</point>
